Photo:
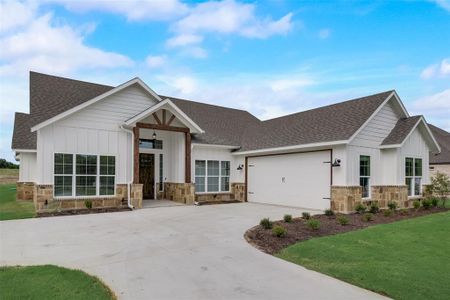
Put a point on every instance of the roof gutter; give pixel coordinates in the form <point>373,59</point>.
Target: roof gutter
<point>132,166</point>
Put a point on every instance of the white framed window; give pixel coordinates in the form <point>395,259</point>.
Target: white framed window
<point>212,176</point>
<point>84,175</point>
<point>413,176</point>
<point>63,174</point>
<point>107,175</point>
<point>364,175</point>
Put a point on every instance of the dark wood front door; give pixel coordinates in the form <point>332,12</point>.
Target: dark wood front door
<point>147,174</point>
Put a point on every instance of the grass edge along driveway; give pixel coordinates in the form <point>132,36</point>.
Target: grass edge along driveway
<point>408,259</point>
<point>11,209</point>
<point>50,282</point>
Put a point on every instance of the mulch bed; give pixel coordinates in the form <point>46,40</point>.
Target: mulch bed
<point>297,231</point>
<point>86,211</point>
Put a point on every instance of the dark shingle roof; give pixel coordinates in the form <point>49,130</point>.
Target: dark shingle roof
<point>222,126</point>
<point>443,139</point>
<point>51,95</point>
<point>23,138</point>
<point>324,124</point>
<point>400,131</point>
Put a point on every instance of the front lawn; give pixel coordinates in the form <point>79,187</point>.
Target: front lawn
<point>50,282</point>
<point>12,209</point>
<point>408,259</point>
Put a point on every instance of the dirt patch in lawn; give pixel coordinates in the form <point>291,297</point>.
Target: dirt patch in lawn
<point>298,230</point>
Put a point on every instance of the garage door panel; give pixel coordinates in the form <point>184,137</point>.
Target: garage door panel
<point>300,180</point>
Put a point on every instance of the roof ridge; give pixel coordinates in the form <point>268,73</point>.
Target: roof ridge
<point>330,105</point>
<point>71,79</point>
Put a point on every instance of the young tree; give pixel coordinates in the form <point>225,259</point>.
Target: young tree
<point>440,185</point>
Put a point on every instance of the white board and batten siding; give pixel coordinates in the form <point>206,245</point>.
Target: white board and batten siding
<point>297,179</point>
<point>27,170</point>
<point>94,130</point>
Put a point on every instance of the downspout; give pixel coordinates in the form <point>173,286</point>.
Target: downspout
<point>132,166</point>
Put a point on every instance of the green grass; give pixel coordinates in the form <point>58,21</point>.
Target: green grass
<point>405,260</point>
<point>50,282</point>
<point>12,209</point>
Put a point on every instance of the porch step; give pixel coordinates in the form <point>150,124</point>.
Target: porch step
<point>211,202</point>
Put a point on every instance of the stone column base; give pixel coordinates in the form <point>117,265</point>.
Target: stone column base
<point>180,192</point>
<point>238,190</point>
<point>345,198</point>
<point>25,191</point>
<point>136,195</point>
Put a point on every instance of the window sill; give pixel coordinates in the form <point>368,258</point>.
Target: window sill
<point>415,197</point>
<point>213,193</point>
<point>82,197</point>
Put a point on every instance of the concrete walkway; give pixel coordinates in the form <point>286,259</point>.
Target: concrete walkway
<point>181,252</point>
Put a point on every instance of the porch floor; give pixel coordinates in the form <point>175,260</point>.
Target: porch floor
<point>150,203</point>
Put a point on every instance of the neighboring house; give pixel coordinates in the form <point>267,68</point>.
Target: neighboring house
<point>440,162</point>
<point>119,145</point>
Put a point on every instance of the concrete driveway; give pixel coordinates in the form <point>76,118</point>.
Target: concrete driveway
<point>183,252</point>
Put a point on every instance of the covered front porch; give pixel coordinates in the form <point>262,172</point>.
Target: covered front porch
<point>162,154</point>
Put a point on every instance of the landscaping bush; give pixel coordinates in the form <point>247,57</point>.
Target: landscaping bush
<point>306,215</point>
<point>343,220</point>
<point>279,231</point>
<point>313,224</point>
<point>426,204</point>
<point>434,201</point>
<point>287,218</point>
<point>329,212</point>
<point>416,204</point>
<point>440,186</point>
<point>374,208</point>
<point>387,213</point>
<point>88,204</point>
<point>360,208</point>
<point>367,217</point>
<point>266,223</point>
<point>392,205</point>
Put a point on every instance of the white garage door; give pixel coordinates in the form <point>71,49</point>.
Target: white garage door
<point>300,179</point>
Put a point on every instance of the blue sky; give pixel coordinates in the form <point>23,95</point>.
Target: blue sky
<point>268,57</point>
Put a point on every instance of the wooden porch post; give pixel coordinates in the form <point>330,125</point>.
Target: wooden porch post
<point>187,166</point>
<point>136,155</point>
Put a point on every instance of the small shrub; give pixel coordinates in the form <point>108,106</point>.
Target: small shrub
<point>404,211</point>
<point>367,217</point>
<point>374,208</point>
<point>392,205</point>
<point>279,231</point>
<point>343,220</point>
<point>88,204</point>
<point>434,201</point>
<point>360,208</point>
<point>306,215</point>
<point>313,224</point>
<point>266,223</point>
<point>416,204</point>
<point>426,204</point>
<point>387,213</point>
<point>329,212</point>
<point>287,218</point>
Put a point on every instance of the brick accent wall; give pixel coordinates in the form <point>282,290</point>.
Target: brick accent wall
<point>345,198</point>
<point>385,194</point>
<point>25,191</point>
<point>179,192</point>
<point>211,197</point>
<point>238,190</point>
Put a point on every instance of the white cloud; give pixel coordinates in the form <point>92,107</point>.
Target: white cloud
<point>436,70</point>
<point>14,14</point>
<point>435,107</point>
<point>155,61</point>
<point>225,17</point>
<point>324,33</point>
<point>134,10</point>
<point>42,46</point>
<point>184,40</point>
<point>445,4</point>
<point>286,84</point>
